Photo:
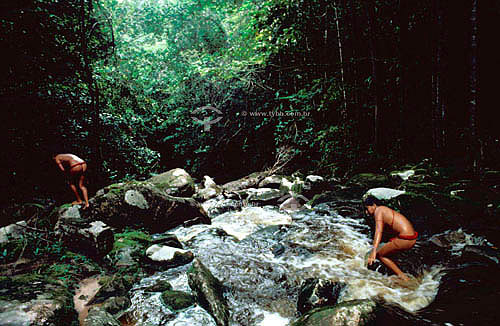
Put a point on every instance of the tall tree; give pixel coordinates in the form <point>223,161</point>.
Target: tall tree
<point>475,146</point>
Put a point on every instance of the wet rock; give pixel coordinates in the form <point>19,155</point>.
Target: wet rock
<point>250,181</point>
<point>349,313</point>
<point>316,293</point>
<point>99,317</point>
<point>117,285</point>
<point>160,286</point>
<point>484,254</point>
<point>210,189</point>
<point>260,195</point>
<point>167,239</point>
<point>93,239</point>
<point>176,182</point>
<point>33,300</point>
<point>116,305</point>
<point>177,300</point>
<point>219,205</point>
<point>402,175</point>
<point>12,231</point>
<point>292,185</point>
<point>448,238</point>
<point>313,185</point>
<point>383,193</point>
<point>368,180</point>
<point>141,205</point>
<point>168,257</point>
<point>272,181</point>
<point>293,203</point>
<point>208,292</point>
<point>129,248</point>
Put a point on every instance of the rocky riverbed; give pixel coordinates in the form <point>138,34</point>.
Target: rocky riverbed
<point>262,250</point>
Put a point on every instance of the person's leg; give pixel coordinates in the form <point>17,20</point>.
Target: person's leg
<point>81,184</point>
<point>388,249</point>
<point>75,191</point>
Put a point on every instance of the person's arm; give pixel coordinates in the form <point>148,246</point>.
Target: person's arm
<point>379,227</point>
<point>58,162</point>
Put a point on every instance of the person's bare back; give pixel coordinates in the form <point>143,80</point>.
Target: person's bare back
<point>75,169</point>
<point>399,224</point>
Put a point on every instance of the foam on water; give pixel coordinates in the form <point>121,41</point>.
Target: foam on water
<point>271,319</point>
<point>249,220</point>
<point>321,245</point>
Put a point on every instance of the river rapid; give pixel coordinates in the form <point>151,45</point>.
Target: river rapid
<point>262,255</point>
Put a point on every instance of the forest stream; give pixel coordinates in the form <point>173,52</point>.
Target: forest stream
<point>261,255</point>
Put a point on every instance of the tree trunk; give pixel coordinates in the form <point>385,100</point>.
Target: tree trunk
<point>403,22</point>
<point>341,59</point>
<point>474,143</point>
<point>438,106</point>
<point>94,134</point>
<point>370,14</point>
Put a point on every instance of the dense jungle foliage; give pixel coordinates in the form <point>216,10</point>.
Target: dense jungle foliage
<point>135,87</point>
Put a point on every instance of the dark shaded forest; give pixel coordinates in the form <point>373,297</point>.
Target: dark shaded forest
<point>331,87</point>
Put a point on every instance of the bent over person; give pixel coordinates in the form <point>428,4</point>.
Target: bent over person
<point>404,240</point>
<point>75,169</point>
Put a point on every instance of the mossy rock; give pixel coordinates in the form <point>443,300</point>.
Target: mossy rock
<point>132,238</point>
<point>349,313</point>
<point>114,286</point>
<point>369,180</point>
<point>177,300</point>
<point>37,296</point>
<point>160,286</point>
<point>175,182</point>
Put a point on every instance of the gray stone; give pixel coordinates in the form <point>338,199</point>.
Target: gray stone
<point>316,293</point>
<point>208,292</point>
<point>135,198</point>
<point>141,204</point>
<point>12,231</point>
<point>383,193</point>
<point>169,256</point>
<point>175,182</point>
<point>99,317</point>
<point>349,313</point>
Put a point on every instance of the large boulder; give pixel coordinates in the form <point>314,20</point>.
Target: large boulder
<point>208,292</point>
<point>51,306</point>
<point>176,182</point>
<point>93,239</point>
<point>143,205</point>
<point>349,313</point>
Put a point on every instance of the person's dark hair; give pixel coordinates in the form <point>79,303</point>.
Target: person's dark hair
<point>370,200</point>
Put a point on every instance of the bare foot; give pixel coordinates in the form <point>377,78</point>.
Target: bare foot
<point>86,206</point>
<point>404,277</point>
<point>76,202</point>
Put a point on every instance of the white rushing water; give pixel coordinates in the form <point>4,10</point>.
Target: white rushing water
<point>240,250</point>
